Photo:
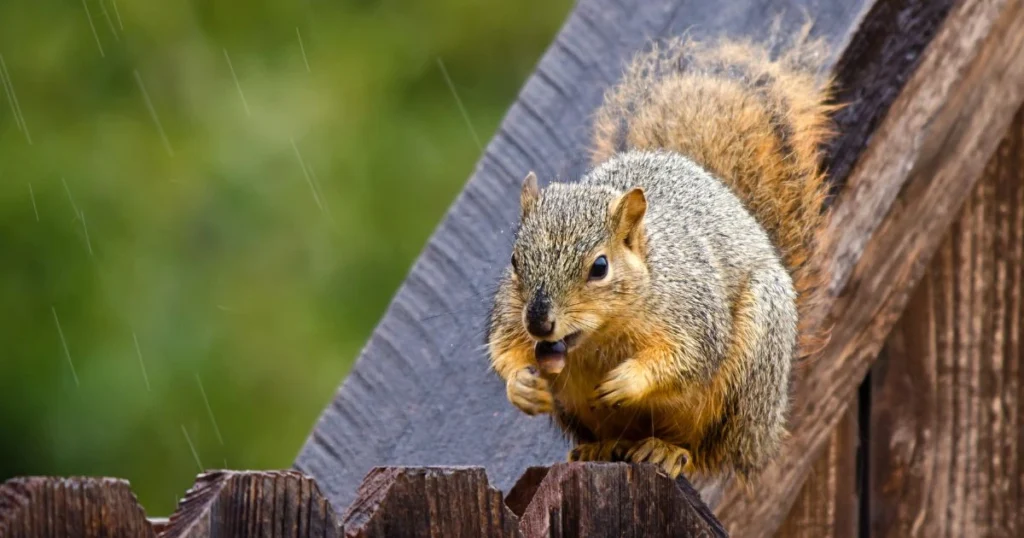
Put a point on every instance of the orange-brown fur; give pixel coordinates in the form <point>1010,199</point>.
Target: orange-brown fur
<point>714,118</point>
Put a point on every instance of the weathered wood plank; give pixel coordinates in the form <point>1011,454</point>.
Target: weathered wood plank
<point>438,502</point>
<point>947,412</point>
<point>570,499</point>
<point>901,197</point>
<point>614,500</point>
<point>827,506</point>
<point>421,393</point>
<point>76,507</point>
<point>256,503</point>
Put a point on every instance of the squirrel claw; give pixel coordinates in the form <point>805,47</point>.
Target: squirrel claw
<point>529,392</point>
<point>672,459</point>
<point>621,387</point>
<point>600,451</point>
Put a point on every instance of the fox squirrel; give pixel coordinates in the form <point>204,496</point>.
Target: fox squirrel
<point>655,307</point>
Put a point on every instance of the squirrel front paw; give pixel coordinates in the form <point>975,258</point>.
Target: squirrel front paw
<point>672,459</point>
<point>530,392</point>
<point>626,384</point>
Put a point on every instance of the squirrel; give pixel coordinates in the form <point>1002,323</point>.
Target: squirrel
<point>656,307</point>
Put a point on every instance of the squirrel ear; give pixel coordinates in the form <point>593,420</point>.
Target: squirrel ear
<point>530,193</point>
<point>628,215</point>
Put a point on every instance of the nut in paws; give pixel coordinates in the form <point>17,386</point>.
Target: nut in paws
<point>530,392</point>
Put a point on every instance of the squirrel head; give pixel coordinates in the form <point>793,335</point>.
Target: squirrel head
<point>579,258</point>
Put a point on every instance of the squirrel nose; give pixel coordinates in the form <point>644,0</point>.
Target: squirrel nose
<point>538,316</point>
<point>539,328</point>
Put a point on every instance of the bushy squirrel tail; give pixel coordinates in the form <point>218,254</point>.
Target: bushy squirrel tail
<point>755,120</point>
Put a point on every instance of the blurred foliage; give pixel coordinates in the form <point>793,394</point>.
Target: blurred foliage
<point>170,231</point>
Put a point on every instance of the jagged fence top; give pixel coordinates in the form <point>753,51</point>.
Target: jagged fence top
<point>594,500</point>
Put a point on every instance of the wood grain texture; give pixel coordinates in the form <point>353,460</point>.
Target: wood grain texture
<point>827,506</point>
<point>615,500</point>
<point>76,507</point>
<point>947,414</point>
<point>885,49</point>
<point>577,499</point>
<point>518,498</point>
<point>435,502</point>
<point>420,392</point>
<point>899,200</point>
<point>566,500</point>
<point>272,504</point>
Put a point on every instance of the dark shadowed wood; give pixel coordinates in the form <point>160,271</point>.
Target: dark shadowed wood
<point>613,500</point>
<point>421,392</point>
<point>899,200</point>
<point>436,502</point>
<point>947,412</point>
<point>883,49</point>
<point>76,507</point>
<point>159,524</point>
<point>519,497</point>
<point>827,506</point>
<point>273,504</point>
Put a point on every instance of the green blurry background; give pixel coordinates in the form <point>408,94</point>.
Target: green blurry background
<point>248,252</point>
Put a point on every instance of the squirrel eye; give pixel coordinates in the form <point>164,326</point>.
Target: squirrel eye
<point>515,266</point>
<point>600,268</point>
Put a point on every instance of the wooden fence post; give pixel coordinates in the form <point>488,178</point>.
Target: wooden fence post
<point>460,503</point>
<point>244,504</point>
<point>77,507</point>
<point>612,500</point>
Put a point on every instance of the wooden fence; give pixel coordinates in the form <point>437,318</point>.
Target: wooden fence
<point>910,422</point>
<point>594,500</point>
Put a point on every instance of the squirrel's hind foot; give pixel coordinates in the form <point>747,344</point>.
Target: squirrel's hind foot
<point>672,459</point>
<point>601,451</point>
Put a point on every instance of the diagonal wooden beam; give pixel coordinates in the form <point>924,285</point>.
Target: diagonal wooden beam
<point>420,393</point>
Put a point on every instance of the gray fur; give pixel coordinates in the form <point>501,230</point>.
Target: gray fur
<point>704,252</point>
